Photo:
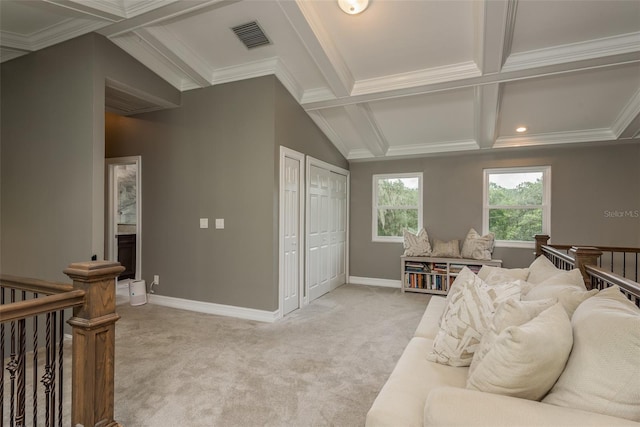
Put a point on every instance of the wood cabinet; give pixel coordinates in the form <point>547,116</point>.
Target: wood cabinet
<point>127,255</point>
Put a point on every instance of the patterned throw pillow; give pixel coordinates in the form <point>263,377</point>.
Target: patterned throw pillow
<point>450,249</point>
<point>476,246</point>
<point>467,316</point>
<point>416,244</point>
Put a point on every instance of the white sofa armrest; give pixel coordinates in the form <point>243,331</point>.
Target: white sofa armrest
<point>449,406</point>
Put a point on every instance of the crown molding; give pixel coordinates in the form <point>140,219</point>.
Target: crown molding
<point>365,124</point>
<point>65,30</point>
<point>416,78</point>
<point>432,148</point>
<point>245,71</point>
<point>570,137</point>
<point>572,52</point>
<point>628,114</point>
<point>288,80</point>
<point>7,54</point>
<point>359,154</point>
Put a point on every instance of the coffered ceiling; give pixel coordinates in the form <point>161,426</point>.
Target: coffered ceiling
<point>403,78</point>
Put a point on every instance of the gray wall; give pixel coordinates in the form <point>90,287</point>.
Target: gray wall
<point>586,181</point>
<point>216,157</point>
<point>52,149</point>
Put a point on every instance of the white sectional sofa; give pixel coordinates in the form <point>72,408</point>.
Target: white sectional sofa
<point>424,393</point>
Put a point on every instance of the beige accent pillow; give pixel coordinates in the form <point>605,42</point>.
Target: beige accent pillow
<point>416,244</point>
<point>510,313</point>
<point>541,269</point>
<point>526,360</point>
<point>470,307</point>
<point>569,296</point>
<point>502,274</point>
<point>450,249</point>
<point>476,246</point>
<point>603,371</point>
<point>571,277</point>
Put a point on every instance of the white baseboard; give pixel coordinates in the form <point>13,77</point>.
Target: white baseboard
<point>371,281</point>
<point>213,308</point>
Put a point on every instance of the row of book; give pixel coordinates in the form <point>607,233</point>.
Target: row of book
<point>434,282</point>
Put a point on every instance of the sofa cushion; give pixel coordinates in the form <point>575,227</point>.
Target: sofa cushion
<point>496,275</point>
<point>603,371</point>
<point>430,323</point>
<point>569,296</point>
<point>401,400</point>
<point>526,360</point>
<point>416,244</point>
<point>476,246</point>
<point>449,406</point>
<point>470,307</point>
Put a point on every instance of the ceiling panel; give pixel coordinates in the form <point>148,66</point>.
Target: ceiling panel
<point>394,37</point>
<point>543,24</point>
<point>578,101</point>
<point>426,119</point>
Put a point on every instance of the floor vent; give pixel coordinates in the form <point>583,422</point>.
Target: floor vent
<point>251,35</point>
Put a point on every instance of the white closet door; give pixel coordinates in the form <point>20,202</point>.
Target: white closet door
<point>318,234</point>
<point>338,229</point>
<point>291,237</point>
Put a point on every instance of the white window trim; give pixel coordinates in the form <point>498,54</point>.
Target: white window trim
<point>374,205</point>
<point>546,203</point>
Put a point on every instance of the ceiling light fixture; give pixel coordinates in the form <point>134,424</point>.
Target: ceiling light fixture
<point>521,129</point>
<point>353,7</point>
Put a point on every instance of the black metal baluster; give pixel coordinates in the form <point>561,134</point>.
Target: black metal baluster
<point>12,366</point>
<point>22,373</point>
<point>2,363</point>
<point>60,367</point>
<point>35,367</point>
<point>46,377</point>
<point>53,368</point>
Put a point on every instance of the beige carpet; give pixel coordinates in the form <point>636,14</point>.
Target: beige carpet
<point>322,365</point>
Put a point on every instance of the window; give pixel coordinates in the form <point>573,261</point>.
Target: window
<point>517,204</point>
<point>397,204</point>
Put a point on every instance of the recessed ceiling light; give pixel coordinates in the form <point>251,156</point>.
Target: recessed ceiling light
<point>353,7</point>
<point>521,129</point>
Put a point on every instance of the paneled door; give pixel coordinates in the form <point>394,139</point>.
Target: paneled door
<point>338,229</point>
<point>318,234</point>
<point>291,214</point>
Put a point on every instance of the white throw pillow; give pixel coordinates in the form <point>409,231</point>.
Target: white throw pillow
<point>571,277</point>
<point>526,360</point>
<point>569,296</point>
<point>494,275</point>
<point>476,246</point>
<point>603,371</point>
<point>450,249</point>
<point>541,269</point>
<point>510,313</point>
<point>470,307</point>
<point>416,244</point>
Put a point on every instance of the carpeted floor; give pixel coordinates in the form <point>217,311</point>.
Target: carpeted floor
<point>322,365</point>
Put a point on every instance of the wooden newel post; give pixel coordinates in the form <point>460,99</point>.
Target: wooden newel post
<point>585,256</point>
<point>541,240</point>
<point>94,343</point>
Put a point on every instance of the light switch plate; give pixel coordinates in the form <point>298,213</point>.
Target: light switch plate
<point>204,222</point>
<point>219,223</point>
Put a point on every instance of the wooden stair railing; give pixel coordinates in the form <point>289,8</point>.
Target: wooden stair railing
<point>92,297</point>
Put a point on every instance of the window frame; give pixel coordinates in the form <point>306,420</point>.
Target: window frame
<point>374,223</point>
<point>546,203</point>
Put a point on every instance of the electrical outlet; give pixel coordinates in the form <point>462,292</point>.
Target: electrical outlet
<point>156,279</point>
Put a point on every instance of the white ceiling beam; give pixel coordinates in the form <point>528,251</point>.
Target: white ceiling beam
<point>105,10</point>
<point>486,108</point>
<point>163,15</point>
<point>494,24</point>
<point>503,77</point>
<point>627,124</point>
<point>178,53</point>
<point>366,126</point>
<point>320,46</point>
<point>329,132</point>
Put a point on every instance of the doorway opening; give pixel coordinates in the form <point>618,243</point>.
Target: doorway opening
<point>124,233</point>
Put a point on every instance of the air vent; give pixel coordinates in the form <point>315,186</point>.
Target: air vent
<point>251,35</point>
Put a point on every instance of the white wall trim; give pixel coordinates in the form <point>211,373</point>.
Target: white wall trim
<point>372,281</point>
<point>628,114</point>
<point>213,308</point>
<point>569,137</point>
<point>429,148</point>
